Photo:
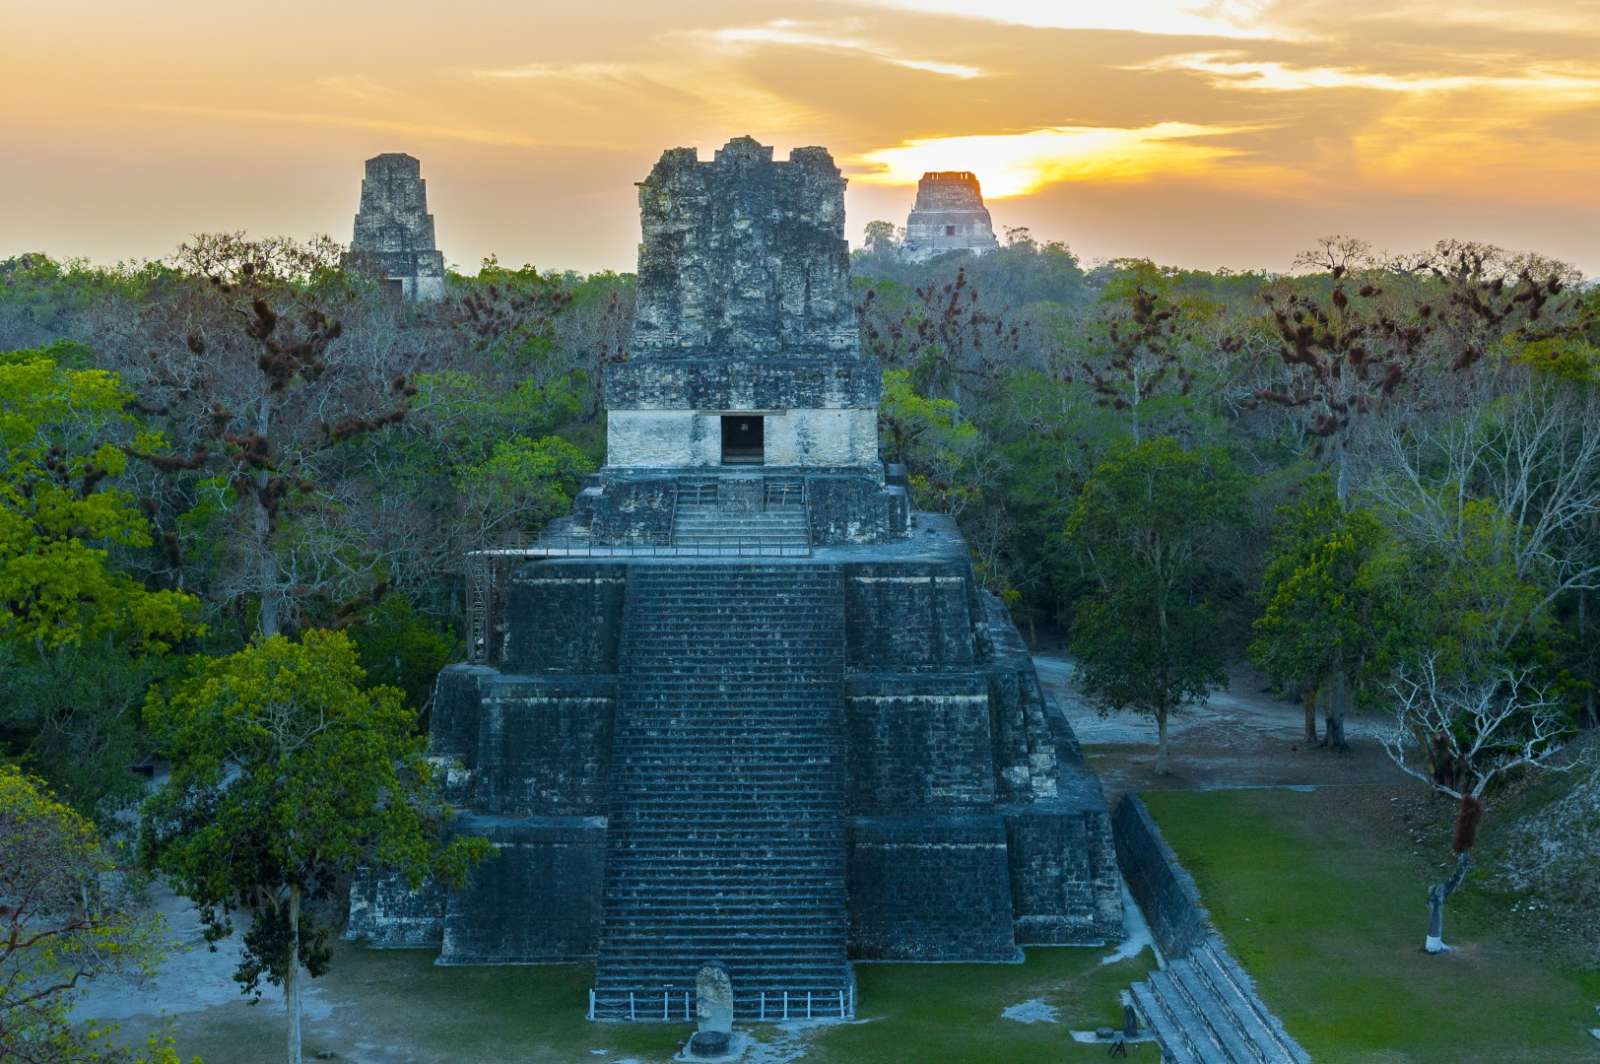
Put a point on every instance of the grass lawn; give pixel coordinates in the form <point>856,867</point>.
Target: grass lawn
<point>950,1013</point>
<point>398,1006</point>
<point>1323,900</point>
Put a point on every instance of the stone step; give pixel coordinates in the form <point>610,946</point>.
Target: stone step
<point>820,979</point>
<point>764,889</point>
<point>1192,1041</point>
<point>1213,1012</point>
<point>639,825</point>
<point>1234,992</point>
<point>723,896</point>
<point>642,929</point>
<point>632,836</point>
<point>816,971</point>
<point>733,765</point>
<point>1168,1032</point>
<point>792,959</point>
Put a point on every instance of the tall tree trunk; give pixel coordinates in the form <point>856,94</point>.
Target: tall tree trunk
<point>291,977</point>
<point>1338,704</point>
<point>270,620</point>
<point>1591,713</point>
<point>1437,895</point>
<point>1308,701</point>
<point>1161,742</point>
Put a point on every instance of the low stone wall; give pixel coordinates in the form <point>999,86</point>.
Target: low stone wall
<point>1164,890</point>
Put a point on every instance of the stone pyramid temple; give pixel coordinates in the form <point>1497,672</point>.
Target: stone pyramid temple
<point>394,231</point>
<point>948,215</point>
<point>744,705</point>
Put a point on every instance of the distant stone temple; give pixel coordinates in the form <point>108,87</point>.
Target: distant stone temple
<point>743,710</point>
<point>394,231</point>
<point>949,215</point>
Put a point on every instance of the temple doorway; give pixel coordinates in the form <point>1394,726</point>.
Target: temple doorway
<point>743,439</point>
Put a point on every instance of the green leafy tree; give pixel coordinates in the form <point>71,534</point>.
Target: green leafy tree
<point>947,459</point>
<point>62,513</point>
<point>79,635</point>
<point>287,774</point>
<point>519,486</point>
<point>66,918</point>
<point>1153,526</point>
<point>880,237</point>
<point>1328,604</point>
<point>399,647</point>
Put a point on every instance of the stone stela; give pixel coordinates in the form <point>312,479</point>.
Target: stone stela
<point>743,706</point>
<point>394,231</point>
<point>713,1037</point>
<point>948,215</point>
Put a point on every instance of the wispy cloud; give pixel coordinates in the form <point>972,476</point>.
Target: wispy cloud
<point>789,33</point>
<point>1013,164</point>
<point>317,118</point>
<point>357,87</point>
<point>1228,71</point>
<point>590,72</point>
<point>1189,18</point>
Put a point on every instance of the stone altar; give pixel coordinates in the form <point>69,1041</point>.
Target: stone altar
<point>743,704</point>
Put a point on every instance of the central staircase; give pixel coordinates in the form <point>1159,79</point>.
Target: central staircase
<point>726,838</point>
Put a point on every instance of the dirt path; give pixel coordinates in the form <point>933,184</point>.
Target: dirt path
<point>1240,737</point>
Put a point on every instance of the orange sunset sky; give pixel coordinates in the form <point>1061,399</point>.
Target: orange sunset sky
<point>1205,134</point>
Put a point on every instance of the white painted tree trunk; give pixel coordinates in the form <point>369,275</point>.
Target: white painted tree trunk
<point>1438,894</point>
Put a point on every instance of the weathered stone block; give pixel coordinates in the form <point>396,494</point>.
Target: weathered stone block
<point>387,914</point>
<point>908,617</point>
<point>930,888</point>
<point>1065,886</point>
<point>536,900</point>
<point>564,618</point>
<point>544,745</point>
<point>919,743</point>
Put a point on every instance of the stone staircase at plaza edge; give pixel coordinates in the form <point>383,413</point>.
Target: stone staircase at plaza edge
<point>726,838</point>
<point>1203,1009</point>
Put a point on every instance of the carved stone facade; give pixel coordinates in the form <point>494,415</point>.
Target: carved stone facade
<point>750,714</point>
<point>949,215</point>
<point>394,231</point>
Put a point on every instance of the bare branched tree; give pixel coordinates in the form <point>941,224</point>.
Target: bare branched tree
<point>1460,736</point>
